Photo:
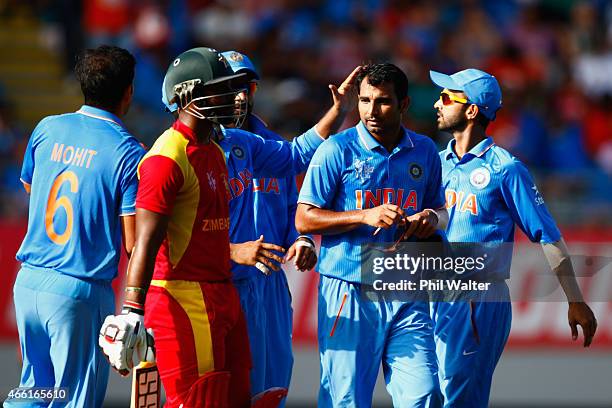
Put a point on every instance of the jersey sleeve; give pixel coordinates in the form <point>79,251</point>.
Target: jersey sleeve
<point>161,179</point>
<point>273,158</point>
<point>434,191</point>
<point>526,205</point>
<point>323,176</point>
<point>27,169</point>
<point>129,180</point>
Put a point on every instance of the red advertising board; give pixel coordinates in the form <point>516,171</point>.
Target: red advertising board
<point>536,324</point>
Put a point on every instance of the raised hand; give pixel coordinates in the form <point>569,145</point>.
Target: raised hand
<point>345,96</point>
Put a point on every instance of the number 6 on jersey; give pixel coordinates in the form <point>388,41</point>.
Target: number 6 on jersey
<point>54,203</point>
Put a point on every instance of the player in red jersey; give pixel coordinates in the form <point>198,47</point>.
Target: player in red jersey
<point>181,261</point>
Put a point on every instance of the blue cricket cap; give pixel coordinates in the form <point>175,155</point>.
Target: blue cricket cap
<point>481,89</point>
<point>240,63</point>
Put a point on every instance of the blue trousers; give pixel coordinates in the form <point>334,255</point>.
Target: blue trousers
<point>366,333</point>
<point>470,338</point>
<point>58,319</point>
<point>266,303</point>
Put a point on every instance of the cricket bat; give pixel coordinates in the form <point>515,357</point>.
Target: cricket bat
<point>146,386</point>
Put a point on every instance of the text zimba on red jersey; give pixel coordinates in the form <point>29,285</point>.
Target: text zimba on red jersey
<point>215,224</point>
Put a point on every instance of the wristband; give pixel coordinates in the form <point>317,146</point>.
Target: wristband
<point>307,242</point>
<point>435,214</point>
<point>135,289</point>
<point>302,243</point>
<point>263,268</point>
<point>134,307</point>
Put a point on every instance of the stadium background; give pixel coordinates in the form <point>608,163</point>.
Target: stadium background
<point>552,57</point>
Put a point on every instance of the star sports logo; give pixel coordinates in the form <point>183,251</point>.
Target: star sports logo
<point>539,200</point>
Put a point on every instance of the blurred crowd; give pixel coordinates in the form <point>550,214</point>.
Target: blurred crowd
<point>553,59</point>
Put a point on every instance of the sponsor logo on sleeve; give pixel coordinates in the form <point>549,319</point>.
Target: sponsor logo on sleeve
<point>539,200</point>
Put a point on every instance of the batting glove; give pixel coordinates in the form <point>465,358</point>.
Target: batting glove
<point>125,341</point>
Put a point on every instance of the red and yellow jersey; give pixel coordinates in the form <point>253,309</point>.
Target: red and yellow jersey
<point>187,181</point>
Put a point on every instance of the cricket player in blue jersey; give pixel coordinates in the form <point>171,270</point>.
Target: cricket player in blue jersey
<point>377,174</point>
<point>488,191</point>
<point>266,300</point>
<point>80,171</point>
<point>251,157</point>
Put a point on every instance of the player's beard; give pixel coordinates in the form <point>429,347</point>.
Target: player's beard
<point>384,127</point>
<point>451,123</point>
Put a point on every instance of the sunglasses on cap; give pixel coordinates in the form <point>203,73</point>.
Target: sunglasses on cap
<point>448,98</point>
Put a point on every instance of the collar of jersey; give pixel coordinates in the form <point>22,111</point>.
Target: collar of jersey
<point>256,123</point>
<point>370,143</point>
<point>101,114</point>
<point>476,151</point>
<point>184,130</point>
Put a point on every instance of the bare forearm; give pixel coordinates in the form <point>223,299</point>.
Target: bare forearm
<point>578,312</point>
<point>330,122</point>
<point>312,220</point>
<point>140,273</point>
<point>561,264</point>
<point>128,232</point>
<point>150,232</point>
<point>567,280</point>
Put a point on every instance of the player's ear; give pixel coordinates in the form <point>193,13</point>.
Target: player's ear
<point>472,111</point>
<point>126,101</point>
<point>253,88</point>
<point>128,94</point>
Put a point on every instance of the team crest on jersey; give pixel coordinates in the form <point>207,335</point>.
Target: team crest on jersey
<point>415,171</point>
<point>236,57</point>
<point>363,170</point>
<point>238,152</point>
<point>480,178</point>
<point>211,180</point>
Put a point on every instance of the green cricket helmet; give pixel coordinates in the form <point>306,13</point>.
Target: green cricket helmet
<point>189,83</point>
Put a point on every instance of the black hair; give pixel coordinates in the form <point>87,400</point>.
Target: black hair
<point>482,119</point>
<point>104,74</point>
<point>385,72</point>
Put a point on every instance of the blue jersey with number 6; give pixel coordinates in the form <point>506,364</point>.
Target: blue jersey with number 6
<point>82,170</point>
